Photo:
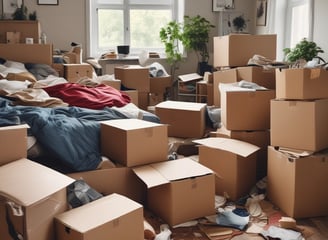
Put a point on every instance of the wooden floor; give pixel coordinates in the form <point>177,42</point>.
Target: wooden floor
<point>315,228</point>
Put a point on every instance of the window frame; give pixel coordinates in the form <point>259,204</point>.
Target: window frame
<point>92,22</point>
<point>289,8</point>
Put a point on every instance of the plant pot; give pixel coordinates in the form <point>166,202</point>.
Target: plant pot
<point>204,67</point>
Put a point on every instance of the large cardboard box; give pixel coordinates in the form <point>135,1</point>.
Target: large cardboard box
<point>295,184</point>
<point>258,75</point>
<point>133,77</point>
<point>160,84</point>
<point>233,161</point>
<point>184,119</point>
<point>179,190</point>
<point>235,50</point>
<point>74,72</point>
<point>302,83</point>
<point>133,142</point>
<point>13,143</point>
<point>246,109</point>
<point>260,138</point>
<point>110,217</point>
<point>31,196</point>
<point>121,180</point>
<point>299,124</point>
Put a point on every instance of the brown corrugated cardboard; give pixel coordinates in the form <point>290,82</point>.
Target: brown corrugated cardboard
<point>121,180</point>
<point>134,95</point>
<point>260,138</point>
<point>299,124</point>
<point>258,75</point>
<point>235,50</point>
<point>234,162</point>
<point>295,184</point>
<point>179,190</point>
<point>302,83</point>
<point>38,191</point>
<point>115,83</point>
<point>133,77</point>
<point>160,84</point>
<point>246,110</point>
<point>13,143</point>
<point>110,217</point>
<point>74,72</point>
<point>185,119</point>
<point>133,142</point>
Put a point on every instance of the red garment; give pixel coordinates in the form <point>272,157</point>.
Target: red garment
<point>89,97</point>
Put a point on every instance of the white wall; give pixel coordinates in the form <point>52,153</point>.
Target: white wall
<point>320,30</point>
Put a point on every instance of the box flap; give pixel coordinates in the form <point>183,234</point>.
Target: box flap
<point>190,106</point>
<point>27,182</point>
<point>101,211</point>
<point>164,172</point>
<point>238,147</point>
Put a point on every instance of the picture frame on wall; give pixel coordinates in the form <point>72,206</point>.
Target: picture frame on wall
<point>48,2</point>
<point>261,12</point>
<point>221,5</point>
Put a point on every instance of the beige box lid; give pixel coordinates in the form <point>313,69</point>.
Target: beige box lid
<point>27,182</point>
<point>130,124</point>
<point>190,106</point>
<point>238,147</point>
<point>101,211</point>
<point>164,172</point>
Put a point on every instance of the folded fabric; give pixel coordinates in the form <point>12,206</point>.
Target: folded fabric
<point>281,233</point>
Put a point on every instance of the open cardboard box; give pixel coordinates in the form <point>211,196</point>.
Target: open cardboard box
<point>31,196</point>
<point>233,161</point>
<point>110,217</point>
<point>179,190</point>
<point>295,183</point>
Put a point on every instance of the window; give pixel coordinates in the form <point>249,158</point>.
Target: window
<point>299,21</point>
<point>129,22</point>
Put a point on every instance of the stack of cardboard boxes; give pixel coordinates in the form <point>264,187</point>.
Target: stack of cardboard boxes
<point>297,157</point>
<point>245,115</point>
<point>149,90</point>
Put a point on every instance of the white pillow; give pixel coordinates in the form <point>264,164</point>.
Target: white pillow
<point>11,86</point>
<point>15,65</point>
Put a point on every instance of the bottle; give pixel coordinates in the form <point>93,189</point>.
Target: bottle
<point>43,38</point>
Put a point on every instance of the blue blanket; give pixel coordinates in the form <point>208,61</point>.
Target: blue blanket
<point>70,134</point>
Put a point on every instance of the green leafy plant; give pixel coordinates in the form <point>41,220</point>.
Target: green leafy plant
<point>195,36</point>
<point>305,49</point>
<point>20,13</point>
<point>239,23</point>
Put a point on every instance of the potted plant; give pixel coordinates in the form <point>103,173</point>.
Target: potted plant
<point>304,51</point>
<point>195,36</point>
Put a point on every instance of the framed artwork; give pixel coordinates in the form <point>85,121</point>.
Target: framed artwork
<point>9,7</point>
<point>261,12</point>
<point>221,5</point>
<point>48,2</point>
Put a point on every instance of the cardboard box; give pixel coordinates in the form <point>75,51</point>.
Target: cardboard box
<point>295,183</point>
<point>134,95</point>
<point>264,78</point>
<point>260,138</point>
<point>133,142</point>
<point>133,77</point>
<point>179,190</point>
<point>13,37</point>
<point>143,100</point>
<point>110,217</point>
<point>302,83</point>
<point>247,109</point>
<point>121,180</point>
<point>115,83</point>
<point>39,192</point>
<point>13,143</point>
<point>299,124</point>
<point>233,161</point>
<point>160,84</point>
<point>74,72</point>
<point>185,119</point>
<point>235,50</point>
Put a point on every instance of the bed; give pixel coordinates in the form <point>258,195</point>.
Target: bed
<point>63,118</point>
